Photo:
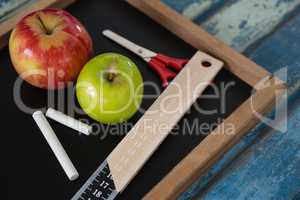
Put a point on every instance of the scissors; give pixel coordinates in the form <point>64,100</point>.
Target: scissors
<point>160,63</point>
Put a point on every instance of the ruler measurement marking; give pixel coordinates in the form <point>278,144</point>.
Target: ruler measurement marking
<point>99,186</point>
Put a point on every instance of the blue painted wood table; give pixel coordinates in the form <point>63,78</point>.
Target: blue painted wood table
<point>7,7</point>
<point>265,164</point>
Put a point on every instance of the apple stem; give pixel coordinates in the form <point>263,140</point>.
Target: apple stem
<point>111,72</point>
<point>44,27</point>
<point>111,76</point>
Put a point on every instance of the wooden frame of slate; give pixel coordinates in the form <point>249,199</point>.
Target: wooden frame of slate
<point>268,90</point>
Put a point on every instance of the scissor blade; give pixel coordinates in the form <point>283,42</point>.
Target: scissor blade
<point>144,53</point>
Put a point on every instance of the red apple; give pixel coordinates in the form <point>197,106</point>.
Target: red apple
<point>49,47</point>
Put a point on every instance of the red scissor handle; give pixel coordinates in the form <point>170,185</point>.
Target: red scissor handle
<point>175,63</point>
<point>160,64</point>
<point>161,69</point>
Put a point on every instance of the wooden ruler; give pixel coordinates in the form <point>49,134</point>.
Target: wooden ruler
<point>144,138</point>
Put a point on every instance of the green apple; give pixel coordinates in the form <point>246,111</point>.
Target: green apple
<point>110,88</point>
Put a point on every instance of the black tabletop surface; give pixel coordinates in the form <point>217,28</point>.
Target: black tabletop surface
<point>29,169</point>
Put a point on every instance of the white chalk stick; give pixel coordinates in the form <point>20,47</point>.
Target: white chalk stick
<point>69,121</point>
<point>55,145</point>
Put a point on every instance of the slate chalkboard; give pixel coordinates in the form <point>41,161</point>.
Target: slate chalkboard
<point>29,170</point>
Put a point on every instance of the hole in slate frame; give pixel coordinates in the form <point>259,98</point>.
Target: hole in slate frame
<point>206,63</point>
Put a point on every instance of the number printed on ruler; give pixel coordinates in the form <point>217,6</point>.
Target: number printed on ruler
<point>100,187</point>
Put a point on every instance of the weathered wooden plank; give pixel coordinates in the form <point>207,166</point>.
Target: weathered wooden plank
<point>282,50</point>
<point>278,51</point>
<point>243,22</point>
<point>267,170</point>
<point>180,5</point>
<point>197,10</point>
<point>8,6</point>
